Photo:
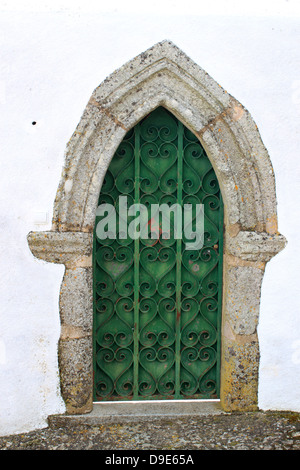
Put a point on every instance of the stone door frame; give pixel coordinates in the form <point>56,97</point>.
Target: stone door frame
<point>165,76</point>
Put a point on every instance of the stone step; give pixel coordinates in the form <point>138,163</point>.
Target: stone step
<point>120,412</point>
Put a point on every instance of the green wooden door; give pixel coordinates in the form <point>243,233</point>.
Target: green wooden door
<point>157,303</point>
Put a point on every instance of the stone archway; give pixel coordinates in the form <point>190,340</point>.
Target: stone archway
<point>165,76</point>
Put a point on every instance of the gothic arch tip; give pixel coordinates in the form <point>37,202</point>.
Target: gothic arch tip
<point>164,75</point>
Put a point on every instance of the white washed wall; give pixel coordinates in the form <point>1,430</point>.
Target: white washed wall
<point>51,61</point>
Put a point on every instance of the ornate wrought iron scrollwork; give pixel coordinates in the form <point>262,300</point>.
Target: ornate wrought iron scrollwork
<point>157,304</point>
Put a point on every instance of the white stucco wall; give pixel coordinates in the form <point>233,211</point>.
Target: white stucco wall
<point>52,58</point>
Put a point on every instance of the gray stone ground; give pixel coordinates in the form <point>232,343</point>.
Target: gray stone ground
<point>234,431</point>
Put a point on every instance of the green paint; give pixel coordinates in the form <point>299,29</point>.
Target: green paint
<point>157,305</point>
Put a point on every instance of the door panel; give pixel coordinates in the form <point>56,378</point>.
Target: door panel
<point>157,303</point>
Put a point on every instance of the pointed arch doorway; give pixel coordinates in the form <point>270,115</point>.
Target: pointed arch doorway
<point>165,76</point>
<point>157,300</point>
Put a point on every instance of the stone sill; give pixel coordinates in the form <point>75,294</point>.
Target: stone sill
<point>120,412</point>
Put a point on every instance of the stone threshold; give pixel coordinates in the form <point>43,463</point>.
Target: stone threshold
<point>126,412</point>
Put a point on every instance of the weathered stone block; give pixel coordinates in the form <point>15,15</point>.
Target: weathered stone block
<point>243,298</point>
<point>76,374</point>
<point>76,300</point>
<point>239,374</point>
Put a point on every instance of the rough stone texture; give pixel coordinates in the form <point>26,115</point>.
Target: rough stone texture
<point>244,286</point>
<point>230,431</point>
<point>68,248</point>
<point>165,76</point>
<point>76,373</point>
<point>254,246</point>
<point>76,300</point>
<point>239,373</point>
<point>75,345</point>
